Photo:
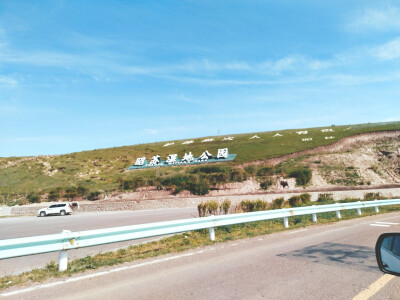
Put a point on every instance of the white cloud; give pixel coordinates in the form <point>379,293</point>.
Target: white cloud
<point>187,99</point>
<point>379,19</point>
<point>151,131</point>
<point>297,63</point>
<point>289,69</point>
<point>351,80</point>
<point>7,81</point>
<point>388,51</point>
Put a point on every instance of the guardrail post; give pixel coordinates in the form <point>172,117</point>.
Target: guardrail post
<point>376,208</point>
<point>212,233</point>
<point>286,222</point>
<point>359,210</point>
<point>63,257</point>
<point>314,217</point>
<point>338,214</point>
<point>63,261</point>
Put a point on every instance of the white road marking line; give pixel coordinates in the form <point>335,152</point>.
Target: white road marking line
<point>296,231</point>
<point>52,284</point>
<point>388,223</point>
<point>374,287</point>
<point>379,225</point>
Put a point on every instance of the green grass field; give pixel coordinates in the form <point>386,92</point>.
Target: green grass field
<point>103,169</point>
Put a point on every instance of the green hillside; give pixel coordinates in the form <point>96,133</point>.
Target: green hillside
<point>87,173</point>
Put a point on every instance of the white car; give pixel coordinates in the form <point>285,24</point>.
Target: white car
<point>56,209</point>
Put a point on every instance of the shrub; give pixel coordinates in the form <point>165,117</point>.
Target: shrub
<point>372,196</point>
<point>246,206</point>
<point>209,169</point>
<point>265,171</point>
<point>295,201</point>
<point>71,193</point>
<point>94,196</point>
<point>266,184</point>
<point>260,205</point>
<point>132,184</point>
<point>305,198</point>
<point>201,208</point>
<point>199,188</point>
<point>158,186</point>
<point>277,203</point>
<point>33,198</point>
<point>208,208</point>
<point>251,169</point>
<point>215,179</point>
<point>54,194</point>
<point>176,180</point>
<point>127,184</point>
<point>250,206</point>
<point>225,205</point>
<point>177,189</point>
<point>238,176</point>
<point>302,175</point>
<point>325,197</point>
<point>212,207</point>
<point>197,185</point>
<point>81,190</point>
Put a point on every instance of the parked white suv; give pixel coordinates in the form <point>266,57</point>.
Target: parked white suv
<point>56,209</point>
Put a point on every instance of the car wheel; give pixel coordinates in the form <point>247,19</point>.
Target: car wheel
<point>62,212</point>
<point>42,214</point>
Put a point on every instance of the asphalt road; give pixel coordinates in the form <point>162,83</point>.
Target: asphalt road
<point>334,261</point>
<point>16,227</point>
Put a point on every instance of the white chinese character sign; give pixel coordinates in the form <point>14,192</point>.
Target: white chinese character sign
<point>155,160</point>
<point>188,159</point>
<point>222,153</point>
<point>172,158</point>
<point>140,161</point>
<point>205,156</point>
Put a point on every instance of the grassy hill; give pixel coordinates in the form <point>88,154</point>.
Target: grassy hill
<point>30,179</point>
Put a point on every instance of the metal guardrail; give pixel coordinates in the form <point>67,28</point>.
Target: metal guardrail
<point>73,240</point>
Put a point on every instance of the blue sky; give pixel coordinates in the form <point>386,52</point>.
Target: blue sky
<point>81,75</point>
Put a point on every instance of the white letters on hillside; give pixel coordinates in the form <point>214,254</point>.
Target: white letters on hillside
<point>222,153</point>
<point>172,158</point>
<point>155,160</point>
<point>302,132</point>
<point>168,144</point>
<point>329,137</point>
<point>205,156</point>
<point>327,130</point>
<point>140,161</point>
<point>187,142</point>
<point>188,157</point>
<point>229,138</point>
<point>207,140</point>
<point>306,139</point>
